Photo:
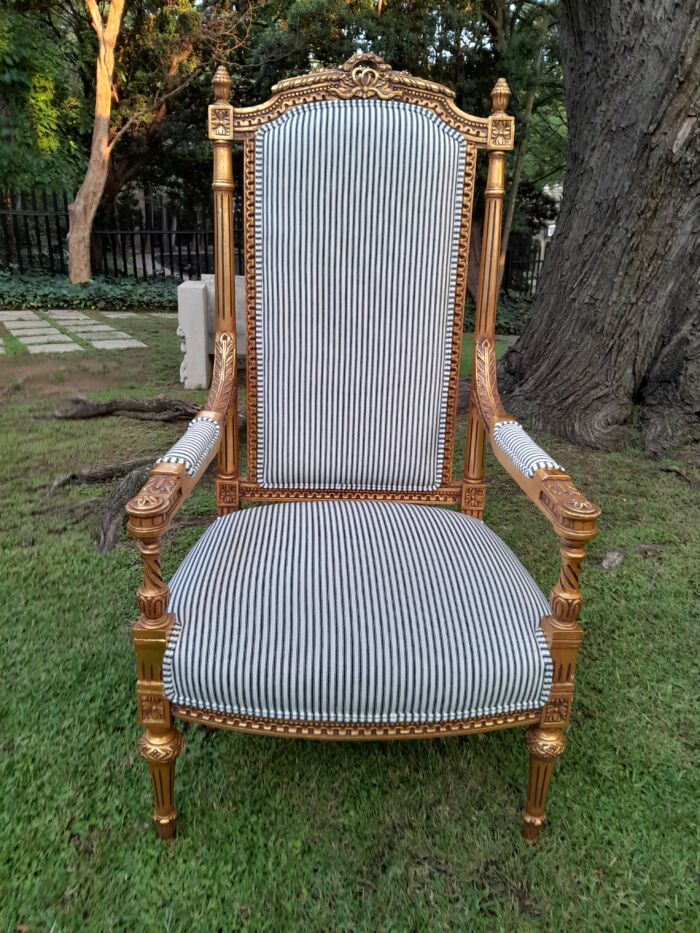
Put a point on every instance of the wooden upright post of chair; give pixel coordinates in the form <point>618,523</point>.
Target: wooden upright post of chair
<point>221,135</point>
<point>500,141</point>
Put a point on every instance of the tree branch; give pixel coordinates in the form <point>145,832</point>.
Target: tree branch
<point>158,102</point>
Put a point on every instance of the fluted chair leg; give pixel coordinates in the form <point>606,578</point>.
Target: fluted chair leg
<point>160,750</point>
<point>545,746</point>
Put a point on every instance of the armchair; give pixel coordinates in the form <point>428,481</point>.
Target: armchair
<point>346,605</point>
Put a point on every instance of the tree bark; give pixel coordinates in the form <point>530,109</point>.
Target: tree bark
<point>81,212</point>
<point>613,339</point>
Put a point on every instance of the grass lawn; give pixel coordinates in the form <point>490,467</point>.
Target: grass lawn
<point>279,835</point>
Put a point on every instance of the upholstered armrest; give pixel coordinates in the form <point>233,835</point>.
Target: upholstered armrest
<point>540,477</point>
<point>177,472</point>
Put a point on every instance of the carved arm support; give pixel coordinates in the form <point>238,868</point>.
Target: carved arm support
<point>572,516</point>
<point>150,512</point>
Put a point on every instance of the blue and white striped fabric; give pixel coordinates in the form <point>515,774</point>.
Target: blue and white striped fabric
<point>194,446</point>
<point>357,219</point>
<point>522,450</point>
<point>355,612</point>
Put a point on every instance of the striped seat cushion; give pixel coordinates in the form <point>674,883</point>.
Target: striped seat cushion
<point>355,612</point>
<point>194,446</point>
<point>522,450</point>
<point>358,206</point>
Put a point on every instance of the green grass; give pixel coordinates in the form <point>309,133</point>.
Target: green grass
<point>278,835</point>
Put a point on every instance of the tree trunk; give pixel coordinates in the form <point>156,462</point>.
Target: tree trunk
<point>613,339</point>
<point>81,212</point>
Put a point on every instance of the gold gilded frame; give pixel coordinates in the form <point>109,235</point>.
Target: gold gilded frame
<point>573,518</point>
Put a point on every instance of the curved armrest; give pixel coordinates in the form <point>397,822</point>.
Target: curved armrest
<point>178,471</point>
<point>538,475</point>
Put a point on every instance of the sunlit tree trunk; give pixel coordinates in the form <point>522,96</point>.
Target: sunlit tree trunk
<point>82,211</point>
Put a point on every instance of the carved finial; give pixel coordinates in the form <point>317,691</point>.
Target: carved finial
<point>500,95</point>
<point>222,84</point>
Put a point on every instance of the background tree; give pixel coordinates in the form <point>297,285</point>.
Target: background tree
<point>466,45</point>
<point>41,113</point>
<point>147,53</point>
<point>614,335</point>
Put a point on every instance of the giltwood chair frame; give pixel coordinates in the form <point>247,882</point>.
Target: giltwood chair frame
<point>150,513</point>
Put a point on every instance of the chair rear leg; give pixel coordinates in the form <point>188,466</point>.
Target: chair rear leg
<point>545,746</point>
<point>160,748</point>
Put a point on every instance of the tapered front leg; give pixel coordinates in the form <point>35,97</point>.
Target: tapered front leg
<point>161,743</point>
<point>160,751</point>
<point>545,746</point>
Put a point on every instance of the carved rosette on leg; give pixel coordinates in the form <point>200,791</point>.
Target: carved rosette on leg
<point>545,746</point>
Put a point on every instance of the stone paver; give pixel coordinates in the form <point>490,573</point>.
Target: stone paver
<point>72,315</point>
<point>89,328</point>
<point>17,316</point>
<point>116,344</point>
<point>35,332</point>
<point>46,338</point>
<point>94,336</point>
<point>112,335</point>
<point>53,347</point>
<point>40,334</point>
<point>22,326</point>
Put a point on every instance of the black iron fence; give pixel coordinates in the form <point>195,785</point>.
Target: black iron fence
<point>34,232</point>
<point>523,265</point>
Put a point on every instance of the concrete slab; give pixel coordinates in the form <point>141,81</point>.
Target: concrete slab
<point>61,313</point>
<point>112,335</point>
<point>118,314</point>
<point>34,332</point>
<point>18,316</point>
<point>28,325</point>
<point>116,344</point>
<point>53,347</point>
<point>45,338</point>
<point>89,328</point>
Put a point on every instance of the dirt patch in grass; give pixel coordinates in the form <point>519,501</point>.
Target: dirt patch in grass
<point>49,377</point>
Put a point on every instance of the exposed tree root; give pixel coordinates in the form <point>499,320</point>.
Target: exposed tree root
<point>156,409</point>
<point>113,514</point>
<point>100,473</point>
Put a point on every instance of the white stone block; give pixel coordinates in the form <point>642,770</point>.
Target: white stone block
<point>197,328</point>
<point>239,293</point>
<point>193,328</point>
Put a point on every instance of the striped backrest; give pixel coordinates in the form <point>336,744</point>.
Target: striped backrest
<point>358,212</point>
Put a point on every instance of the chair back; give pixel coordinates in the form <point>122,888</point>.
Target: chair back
<point>358,188</point>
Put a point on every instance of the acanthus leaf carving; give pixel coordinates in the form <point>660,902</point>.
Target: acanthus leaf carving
<point>224,374</point>
<point>487,397</point>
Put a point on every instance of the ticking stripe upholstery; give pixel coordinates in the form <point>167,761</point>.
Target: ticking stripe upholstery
<point>357,221</point>
<point>194,446</point>
<point>357,612</point>
<point>522,450</point>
